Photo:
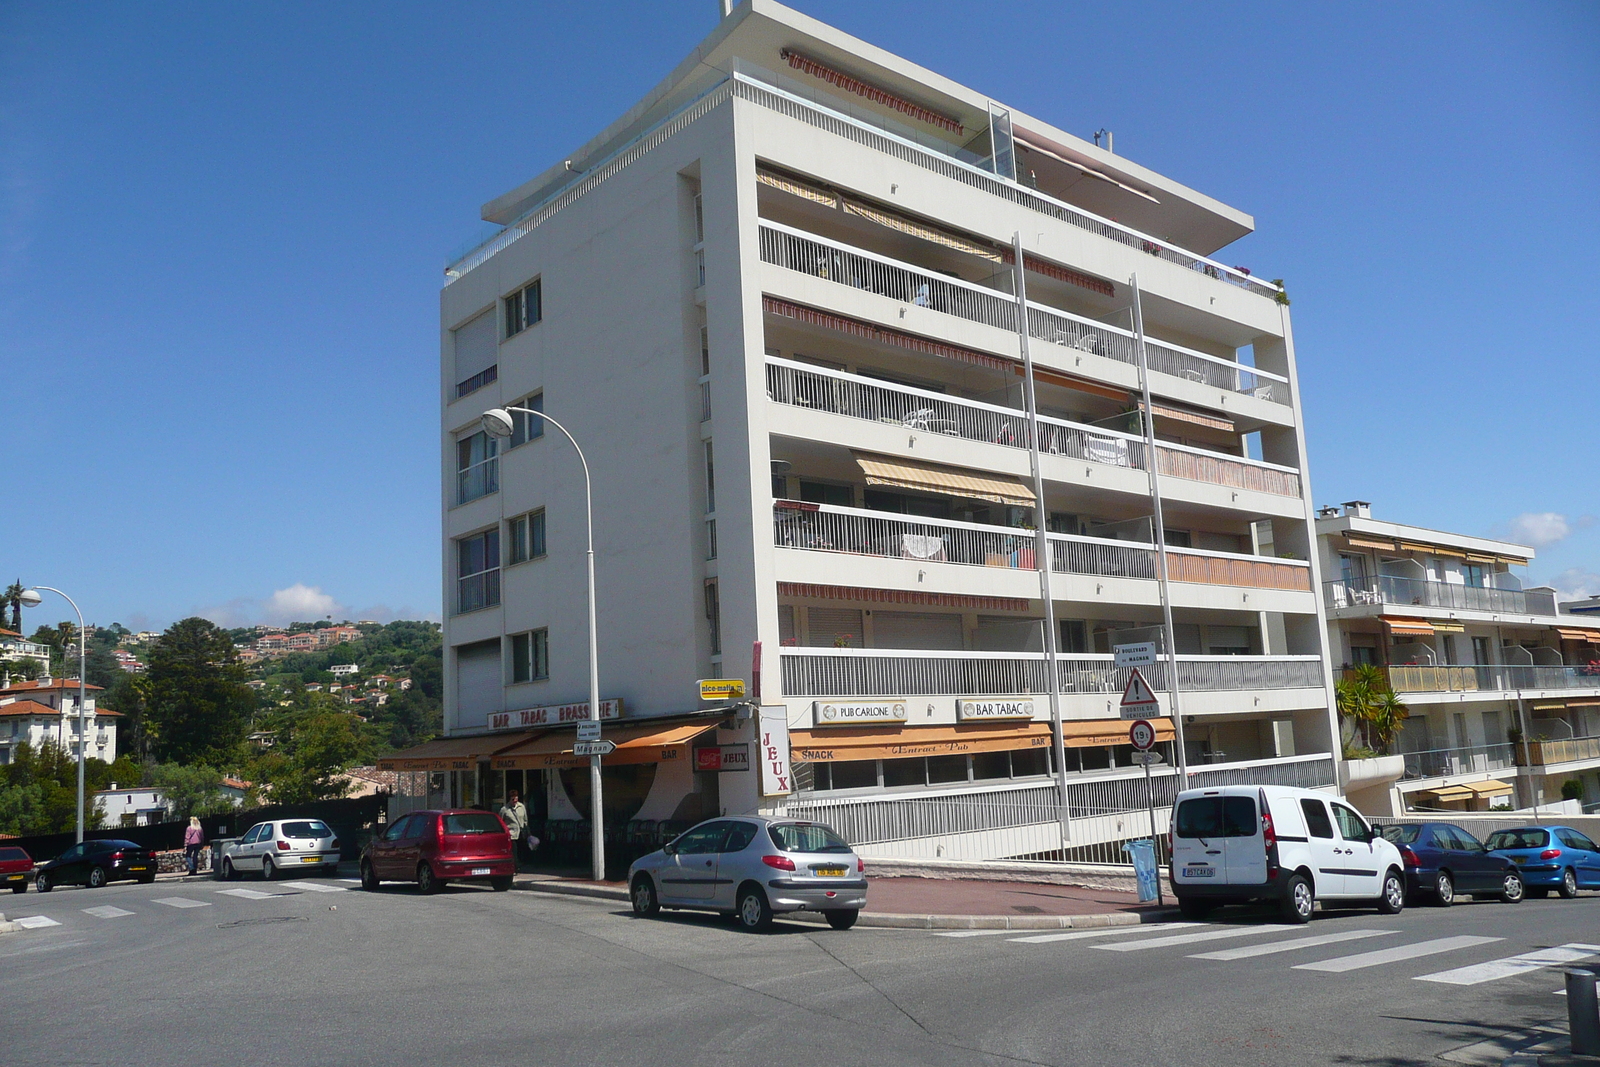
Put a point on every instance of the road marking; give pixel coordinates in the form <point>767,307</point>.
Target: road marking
<point>317,887</point>
<point>1107,931</point>
<point>1395,955</point>
<point>352,881</point>
<point>1289,946</point>
<point>974,933</point>
<point>1201,935</point>
<point>1512,965</point>
<point>248,894</point>
<point>106,911</point>
<point>35,922</point>
<point>181,902</point>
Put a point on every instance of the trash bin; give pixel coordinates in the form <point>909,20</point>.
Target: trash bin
<point>215,846</point>
<point>1143,852</point>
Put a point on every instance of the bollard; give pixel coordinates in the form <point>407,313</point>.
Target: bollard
<point>1583,1013</point>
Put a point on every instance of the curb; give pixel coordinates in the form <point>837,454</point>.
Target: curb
<point>904,922</point>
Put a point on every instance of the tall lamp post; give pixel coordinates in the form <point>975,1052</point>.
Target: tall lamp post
<point>498,423</point>
<point>30,598</point>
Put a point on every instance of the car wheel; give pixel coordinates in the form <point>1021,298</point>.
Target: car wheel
<point>842,918</point>
<point>426,880</point>
<point>643,896</point>
<point>755,914</point>
<point>1569,884</point>
<point>500,883</point>
<point>1512,888</point>
<point>369,880</point>
<point>1444,889</point>
<point>42,883</point>
<point>1298,900</point>
<point>1194,908</point>
<point>1393,901</point>
<point>229,874</point>
<point>269,870</point>
<point>97,877</point>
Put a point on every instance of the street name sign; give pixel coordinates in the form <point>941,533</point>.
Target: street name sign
<point>1148,758</point>
<point>1142,735</point>
<point>721,688</point>
<point>1138,700</point>
<point>594,748</point>
<point>1142,654</point>
<point>589,730</point>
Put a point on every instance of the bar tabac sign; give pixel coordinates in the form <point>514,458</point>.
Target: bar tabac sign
<point>551,715</point>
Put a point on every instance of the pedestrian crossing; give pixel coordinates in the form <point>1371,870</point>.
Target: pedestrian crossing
<point>159,905</point>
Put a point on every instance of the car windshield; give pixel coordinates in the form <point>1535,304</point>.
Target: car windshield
<point>806,837</point>
<point>311,829</point>
<point>1217,817</point>
<point>1400,835</point>
<point>1518,839</point>
<point>12,854</point>
<point>473,822</point>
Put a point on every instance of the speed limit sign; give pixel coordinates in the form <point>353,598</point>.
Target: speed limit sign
<point>1142,734</point>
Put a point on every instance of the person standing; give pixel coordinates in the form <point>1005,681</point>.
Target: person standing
<point>193,838</point>
<point>515,816</point>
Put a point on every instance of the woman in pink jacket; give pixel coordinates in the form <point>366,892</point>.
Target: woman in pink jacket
<point>193,838</point>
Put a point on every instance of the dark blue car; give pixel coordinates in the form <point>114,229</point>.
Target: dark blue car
<point>1550,857</point>
<point>1443,861</point>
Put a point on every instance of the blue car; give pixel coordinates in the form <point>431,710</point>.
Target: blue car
<point>1444,863</point>
<point>1550,857</point>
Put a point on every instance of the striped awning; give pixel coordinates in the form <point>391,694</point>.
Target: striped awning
<point>796,187</point>
<point>922,230</point>
<point>1365,542</point>
<point>1447,626</point>
<point>932,478</point>
<point>1408,627</point>
<point>1592,636</point>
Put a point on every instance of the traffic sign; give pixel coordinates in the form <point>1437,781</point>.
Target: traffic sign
<point>721,688</point>
<point>589,730</point>
<point>1138,700</point>
<point>1136,655</point>
<point>1143,735</point>
<point>1147,758</point>
<point>594,748</point>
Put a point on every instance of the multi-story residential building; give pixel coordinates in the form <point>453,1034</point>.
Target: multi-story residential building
<point>14,648</point>
<point>45,711</point>
<point>1502,685</point>
<point>775,303</point>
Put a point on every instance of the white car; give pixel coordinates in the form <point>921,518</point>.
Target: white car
<point>1292,847</point>
<point>270,848</point>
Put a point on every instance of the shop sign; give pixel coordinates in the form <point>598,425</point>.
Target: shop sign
<point>551,715</point>
<point>979,710</point>
<point>452,764</point>
<point>722,758</point>
<point>776,780</point>
<point>721,688</point>
<point>853,712</point>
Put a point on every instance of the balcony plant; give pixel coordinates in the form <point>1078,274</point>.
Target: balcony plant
<point>1572,789</point>
<point>1364,697</point>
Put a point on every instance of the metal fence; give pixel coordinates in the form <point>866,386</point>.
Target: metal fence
<point>1389,589</point>
<point>1498,677</point>
<point>1468,759</point>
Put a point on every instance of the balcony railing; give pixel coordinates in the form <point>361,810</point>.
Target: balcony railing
<point>481,590</point>
<point>480,479</point>
<point>837,393</point>
<point>828,528</point>
<point>807,253</point>
<point>871,672</point>
<point>1470,759</point>
<point>1500,677</point>
<point>1561,750</point>
<point>1386,589</point>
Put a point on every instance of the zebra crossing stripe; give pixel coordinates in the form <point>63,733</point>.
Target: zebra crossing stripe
<point>1199,935</point>
<point>1512,965</point>
<point>1341,964</point>
<point>106,911</point>
<point>247,894</point>
<point>35,922</point>
<point>181,902</point>
<point>317,887</point>
<point>1105,931</point>
<point>1289,946</point>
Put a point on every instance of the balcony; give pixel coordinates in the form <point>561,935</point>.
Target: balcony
<point>1414,592</point>
<point>479,479</point>
<point>1492,678</point>
<point>818,257</point>
<point>854,531</point>
<point>1469,759</point>
<point>837,393</point>
<point>870,672</point>
<point>1563,750</point>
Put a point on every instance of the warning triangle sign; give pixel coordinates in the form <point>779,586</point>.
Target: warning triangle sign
<point>1138,693</point>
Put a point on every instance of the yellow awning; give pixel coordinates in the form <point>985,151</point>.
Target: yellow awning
<point>1492,788</point>
<point>1578,635</point>
<point>796,187</point>
<point>1449,793</point>
<point>1409,627</point>
<point>1473,557</point>
<point>1447,626</point>
<point>931,478</point>
<point>1363,542</point>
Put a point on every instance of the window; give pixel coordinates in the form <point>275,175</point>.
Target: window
<point>703,840</point>
<point>309,829</point>
<point>1518,839</point>
<point>806,837</point>
<point>711,482</point>
<point>478,571</point>
<point>475,822</point>
<point>1217,817</point>
<point>711,539</point>
<point>824,493</point>
<point>699,219</point>
<point>714,617</point>
<point>525,427</point>
<point>477,351</point>
<point>1317,822</point>
<point>1351,828</point>
<point>739,837</point>
<point>1472,574</point>
<point>477,467</point>
<point>1480,650</point>
<point>524,308</point>
<point>530,656</point>
<point>705,352</point>
<point>527,536</point>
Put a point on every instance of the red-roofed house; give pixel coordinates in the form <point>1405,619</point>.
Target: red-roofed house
<point>13,646</point>
<point>46,710</point>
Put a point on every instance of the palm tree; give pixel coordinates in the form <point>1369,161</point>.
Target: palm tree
<point>1364,697</point>
<point>1386,717</point>
<point>13,596</point>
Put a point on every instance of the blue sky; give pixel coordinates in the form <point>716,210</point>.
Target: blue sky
<point>222,231</point>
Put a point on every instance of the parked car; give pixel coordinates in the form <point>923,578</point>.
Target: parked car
<point>1443,862</point>
<point>1550,857</point>
<point>15,866</point>
<point>305,845</point>
<point>753,868</point>
<point>432,848</point>
<point>94,863</point>
<point>1292,847</point>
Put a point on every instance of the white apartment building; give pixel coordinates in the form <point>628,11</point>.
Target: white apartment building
<point>15,648</point>
<point>1502,684</point>
<point>45,711</point>
<point>774,303</point>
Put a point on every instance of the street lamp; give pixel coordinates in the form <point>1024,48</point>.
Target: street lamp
<point>30,598</point>
<point>498,423</point>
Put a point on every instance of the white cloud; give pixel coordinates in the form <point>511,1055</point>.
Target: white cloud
<point>301,603</point>
<point>1575,583</point>
<point>1541,528</point>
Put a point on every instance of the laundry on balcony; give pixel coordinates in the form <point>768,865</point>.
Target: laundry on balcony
<point>932,478</point>
<point>921,546</point>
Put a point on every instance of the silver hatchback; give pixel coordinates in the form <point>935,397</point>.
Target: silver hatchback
<point>752,868</point>
<point>282,846</point>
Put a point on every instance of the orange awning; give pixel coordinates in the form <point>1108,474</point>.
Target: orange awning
<point>639,743</point>
<point>1578,635</point>
<point>451,753</point>
<point>1409,627</point>
<point>1363,542</point>
<point>891,742</point>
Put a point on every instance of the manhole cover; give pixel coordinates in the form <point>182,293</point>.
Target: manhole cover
<point>267,921</point>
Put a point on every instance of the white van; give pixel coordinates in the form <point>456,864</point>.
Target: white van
<point>1294,847</point>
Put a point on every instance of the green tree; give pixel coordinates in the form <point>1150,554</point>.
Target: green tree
<point>312,752</point>
<point>1365,698</point>
<point>40,791</point>
<point>196,705</point>
<point>13,597</point>
<point>190,790</point>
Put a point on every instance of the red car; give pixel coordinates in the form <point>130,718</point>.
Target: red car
<point>435,847</point>
<point>15,866</point>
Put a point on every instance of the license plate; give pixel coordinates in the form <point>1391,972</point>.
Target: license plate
<point>310,859</point>
<point>480,870</point>
<point>1199,872</point>
<point>828,872</point>
<point>136,868</point>
<point>16,877</point>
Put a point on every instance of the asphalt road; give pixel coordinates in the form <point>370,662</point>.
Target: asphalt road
<point>320,972</point>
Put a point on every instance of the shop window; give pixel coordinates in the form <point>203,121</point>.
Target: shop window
<point>1029,761</point>
<point>903,772</point>
<point>853,774</point>
<point>990,765</point>
<point>943,769</point>
<point>1094,758</point>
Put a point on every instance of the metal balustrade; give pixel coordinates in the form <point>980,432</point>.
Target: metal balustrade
<point>1498,677</point>
<point>856,531</point>
<point>1544,753</point>
<point>1466,759</point>
<point>838,393</point>
<point>480,479</point>
<point>1392,589</point>
<point>845,672</point>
